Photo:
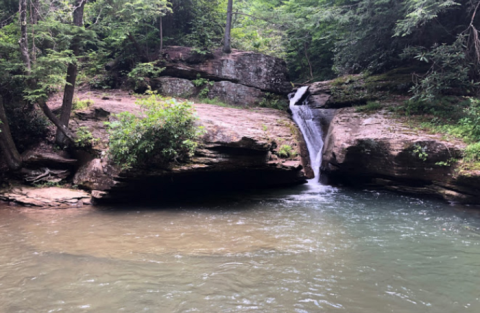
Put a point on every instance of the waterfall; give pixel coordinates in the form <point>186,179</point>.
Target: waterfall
<point>312,133</point>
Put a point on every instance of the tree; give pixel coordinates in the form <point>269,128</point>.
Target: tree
<point>31,81</point>
<point>227,41</point>
<point>7,146</point>
<point>23,42</point>
<point>72,72</point>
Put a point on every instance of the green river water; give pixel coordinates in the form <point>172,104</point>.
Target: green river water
<point>301,249</point>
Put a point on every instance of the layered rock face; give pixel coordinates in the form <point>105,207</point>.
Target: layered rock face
<point>375,151</point>
<point>240,78</point>
<point>239,149</point>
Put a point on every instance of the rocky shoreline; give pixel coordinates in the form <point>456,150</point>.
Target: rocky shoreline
<point>240,148</point>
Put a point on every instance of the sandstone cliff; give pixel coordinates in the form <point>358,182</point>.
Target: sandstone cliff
<point>238,150</point>
<point>240,78</point>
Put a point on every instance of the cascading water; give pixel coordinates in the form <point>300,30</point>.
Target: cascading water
<point>312,133</point>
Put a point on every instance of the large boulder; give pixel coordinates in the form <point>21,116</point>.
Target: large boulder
<point>236,94</point>
<point>242,67</point>
<point>377,151</point>
<point>175,87</point>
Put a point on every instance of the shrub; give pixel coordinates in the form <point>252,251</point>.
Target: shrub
<point>82,104</point>
<point>102,81</point>
<point>471,121</point>
<point>28,125</point>
<point>472,153</point>
<point>142,71</point>
<point>199,82</point>
<point>274,102</point>
<point>166,132</point>
<point>286,151</point>
<point>84,138</point>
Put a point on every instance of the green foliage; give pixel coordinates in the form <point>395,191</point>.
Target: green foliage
<point>102,81</point>
<point>449,70</point>
<point>165,132</point>
<point>200,82</point>
<point>84,138</point>
<point>370,107</point>
<point>286,151</point>
<point>82,104</point>
<point>28,125</point>
<point>420,152</point>
<point>447,163</point>
<point>142,72</point>
<point>472,153</point>
<point>274,102</point>
<point>205,23</point>
<point>453,116</point>
<point>459,118</point>
<point>471,121</point>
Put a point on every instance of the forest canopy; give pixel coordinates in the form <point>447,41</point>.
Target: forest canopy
<point>46,44</point>
<point>320,39</point>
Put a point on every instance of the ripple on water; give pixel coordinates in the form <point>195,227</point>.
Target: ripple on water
<point>306,249</point>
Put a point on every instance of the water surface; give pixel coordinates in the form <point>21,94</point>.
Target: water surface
<point>300,249</point>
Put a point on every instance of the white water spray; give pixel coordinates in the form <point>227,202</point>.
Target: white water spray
<point>312,133</point>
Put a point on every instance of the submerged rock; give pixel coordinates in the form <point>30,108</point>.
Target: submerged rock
<point>376,151</point>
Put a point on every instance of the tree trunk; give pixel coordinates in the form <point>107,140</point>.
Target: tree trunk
<point>308,60</point>
<point>226,46</point>
<point>143,55</point>
<point>34,20</point>
<point>23,42</point>
<point>7,146</point>
<point>161,36</point>
<point>72,72</point>
<point>49,114</point>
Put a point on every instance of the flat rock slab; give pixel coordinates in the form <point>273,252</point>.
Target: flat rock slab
<point>48,197</point>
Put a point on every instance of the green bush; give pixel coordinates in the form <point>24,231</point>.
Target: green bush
<point>142,72</point>
<point>199,82</point>
<point>472,153</point>
<point>286,151</point>
<point>471,121</point>
<point>165,132</point>
<point>84,138</point>
<point>102,81</point>
<point>82,104</point>
<point>28,125</point>
<point>273,101</point>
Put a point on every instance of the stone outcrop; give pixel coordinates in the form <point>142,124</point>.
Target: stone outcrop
<point>358,89</point>
<point>246,68</point>
<point>377,151</point>
<point>239,149</point>
<point>235,94</point>
<point>50,197</point>
<point>175,87</point>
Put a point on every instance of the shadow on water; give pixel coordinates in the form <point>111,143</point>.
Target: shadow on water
<point>307,248</point>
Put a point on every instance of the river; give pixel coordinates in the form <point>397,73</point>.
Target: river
<point>301,249</point>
